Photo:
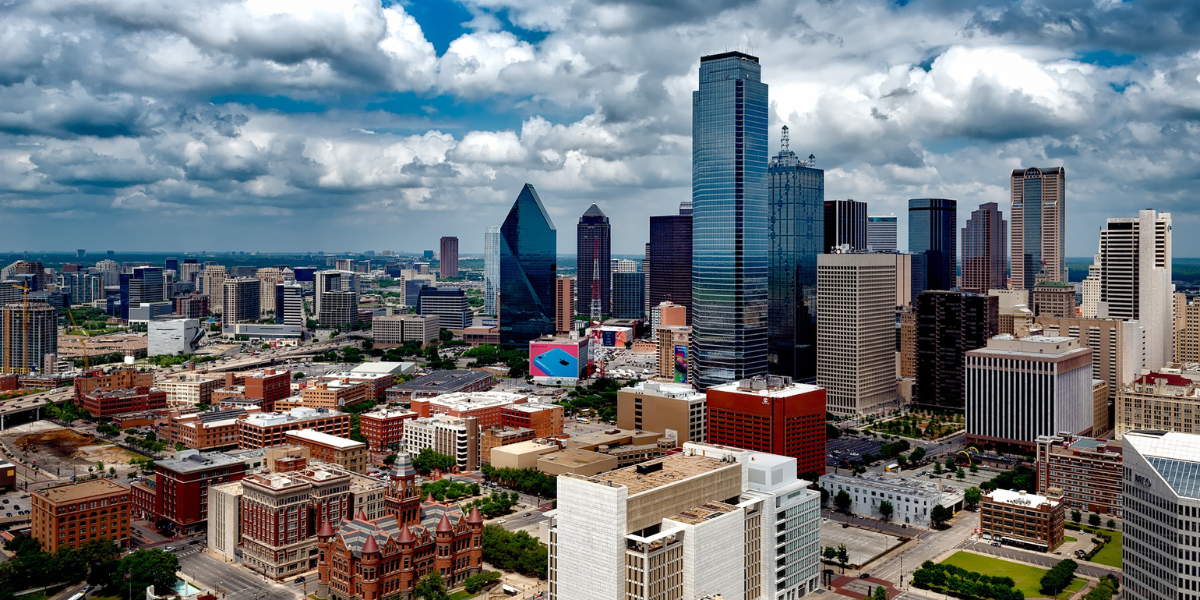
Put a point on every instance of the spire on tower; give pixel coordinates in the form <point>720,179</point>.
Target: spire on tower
<point>783,142</point>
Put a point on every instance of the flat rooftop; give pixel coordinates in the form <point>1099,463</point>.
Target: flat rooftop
<point>476,400</point>
<point>384,367</point>
<point>1021,498</point>
<point>702,513</point>
<point>675,468</point>
<point>747,387</point>
<point>190,461</point>
<point>390,413</point>
<point>325,439</point>
<point>526,447</point>
<point>443,381</point>
<point>532,407</point>
<point>84,489</point>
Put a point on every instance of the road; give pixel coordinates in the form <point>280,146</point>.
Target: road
<point>926,546</point>
<point>238,583</point>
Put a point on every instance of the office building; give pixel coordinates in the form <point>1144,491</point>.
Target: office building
<point>169,337</point>
<point>28,334</point>
<point>103,404</point>
<point>242,297</point>
<point>448,257</point>
<point>673,342</point>
<point>112,380</point>
<point>1161,480</point>
<point>181,486</point>
<point>270,429</point>
<point>856,331</point>
<point>933,235</point>
<point>191,272</point>
<point>908,344</point>
<point>545,420</point>
<point>225,521</point>
<point>984,250</point>
<point>450,305</point>
<point>1023,519</point>
<point>881,233</point>
<point>666,314</point>
<point>623,265</point>
<point>289,304</point>
<point>491,269</point>
<point>628,295</point>
<point>949,324</point>
<point>281,513</point>
<point>669,260</point>
<point>770,414</point>
<point>338,309</point>
<point>439,383</point>
<point>564,305</point>
<point>797,209</point>
<point>1053,298</point>
<point>1135,279</point>
<point>331,449</point>
<point>1020,388</point>
<point>594,251</point>
<point>1087,471</point>
<point>412,291</point>
<point>1039,235</point>
<point>681,526</point>
<point>384,428</point>
<point>845,225</point>
<point>729,221</point>
<point>142,285</point>
<point>1118,348</point>
<point>188,388</point>
<point>268,278</point>
<point>85,288</point>
<point>453,436</point>
<point>486,407</point>
<point>331,394</point>
<point>192,306</point>
<point>667,407</point>
<point>528,261</point>
<point>396,330</point>
<point>334,281</point>
<point>62,514</point>
<point>912,499</point>
<point>206,430</point>
<point>1167,400</point>
<point>214,285</point>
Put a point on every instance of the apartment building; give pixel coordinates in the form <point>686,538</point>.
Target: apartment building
<point>1023,519</point>
<point>347,453</point>
<point>377,383</point>
<point>545,419</point>
<point>384,429</point>
<point>270,429</point>
<point>73,514</point>
<point>665,407</point>
<point>335,394</point>
<point>1087,471</point>
<point>188,389</point>
<point>452,436</point>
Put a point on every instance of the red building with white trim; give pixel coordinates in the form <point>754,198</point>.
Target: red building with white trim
<point>770,414</point>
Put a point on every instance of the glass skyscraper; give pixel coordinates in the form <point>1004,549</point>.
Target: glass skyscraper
<point>797,193</point>
<point>144,284</point>
<point>629,295</point>
<point>845,225</point>
<point>670,258</point>
<point>528,261</point>
<point>491,269</point>
<point>729,221</point>
<point>933,234</point>
<point>593,243</point>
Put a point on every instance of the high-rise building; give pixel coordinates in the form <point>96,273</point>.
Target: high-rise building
<point>336,281</point>
<point>85,288</point>
<point>1089,305</point>
<point>280,517</point>
<point>170,264</point>
<point>449,304</point>
<point>1053,298</point>
<point>673,352</point>
<point>1118,351</point>
<point>667,407</point>
<point>143,285</point>
<point>448,258</point>
<point>1018,389</point>
<point>1187,332</point>
<point>214,285</point>
<point>797,193</point>
<point>669,274</point>
<point>191,272</point>
<point>1038,236</point>
<point>193,306</point>
<point>594,251</point>
<point>881,233</point>
<point>844,224</point>
<point>289,304</point>
<point>729,221</point>
<point>338,309</point>
<point>564,305</point>
<point>270,277</point>
<point>984,244</point>
<point>856,331</point>
<point>687,524</point>
<point>28,335</point>
<point>1086,469</point>
<point>771,414</point>
<point>933,235</point>
<point>1162,514</point>
<point>491,269</point>
<point>241,300</point>
<point>949,324</point>
<point>528,261</point>
<point>628,295</point>
<point>1135,279</point>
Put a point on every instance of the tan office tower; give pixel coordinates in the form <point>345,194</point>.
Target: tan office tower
<point>564,299</point>
<point>856,331</point>
<point>270,277</point>
<point>1187,330</point>
<point>214,286</point>
<point>1038,236</point>
<point>1135,279</point>
<point>908,344</point>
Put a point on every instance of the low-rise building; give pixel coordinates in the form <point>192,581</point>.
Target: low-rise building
<point>207,430</point>
<point>1166,400</point>
<point>502,436</point>
<point>912,499</point>
<point>74,514</point>
<point>120,379</point>
<point>225,520</point>
<point>1023,519</point>
<point>487,407</point>
<point>377,383</point>
<point>332,449</point>
<point>384,429</point>
<point>182,484</point>
<point>335,394</point>
<point>270,429</point>
<point>170,337</point>
<point>1086,470</point>
<point>439,383</point>
<point>544,418</point>
<point>189,389</point>
<point>479,336</point>
<point>103,404</point>
<point>521,455</point>
<point>453,436</point>
<point>666,407</point>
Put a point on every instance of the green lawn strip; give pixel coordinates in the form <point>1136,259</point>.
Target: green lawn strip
<point>461,595</point>
<point>1067,538</point>
<point>1027,578</point>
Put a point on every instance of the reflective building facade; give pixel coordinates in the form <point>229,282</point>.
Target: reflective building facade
<point>933,234</point>
<point>845,225</point>
<point>628,295</point>
<point>144,284</point>
<point>729,221</point>
<point>669,274</point>
<point>527,270</point>
<point>1038,240</point>
<point>491,269</point>
<point>593,244</point>
<point>797,191</point>
<point>984,241</point>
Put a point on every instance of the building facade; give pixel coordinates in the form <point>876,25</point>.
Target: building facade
<point>181,490</point>
<point>528,261</point>
<point>984,250</point>
<point>1118,349</point>
<point>665,407</point>
<point>912,499</point>
<point>844,225</point>
<point>770,414</point>
<point>881,234</point>
<point>933,236</point>
<point>491,270</point>
<point>856,331</point>
<point>949,324</point>
<point>453,436</point>
<point>105,404</point>
<point>279,516</point>
<point>1053,298</point>
<point>1087,471</point>
<point>384,429</point>
<point>289,304</point>
<point>1163,400</point>
<point>1135,279</point>
<point>338,309</point>
<point>331,449</point>
<point>392,331</point>
<point>28,334</point>
<point>1023,519</point>
<point>270,429</point>
<point>450,305</point>
<point>170,337</point>
<point>74,514</point>
<point>1038,235</point>
<point>594,251</point>
<point>669,260</point>
<point>628,295</point>
<point>141,285</point>
<point>564,305</point>
<point>448,257</point>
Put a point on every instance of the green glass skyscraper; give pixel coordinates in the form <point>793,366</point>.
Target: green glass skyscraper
<point>729,221</point>
<point>528,261</point>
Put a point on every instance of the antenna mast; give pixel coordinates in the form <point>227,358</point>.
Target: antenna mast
<point>783,141</point>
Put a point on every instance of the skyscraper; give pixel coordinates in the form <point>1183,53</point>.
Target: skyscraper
<point>797,191</point>
<point>983,241</point>
<point>25,346</point>
<point>932,234</point>
<point>670,257</point>
<point>564,305</point>
<point>289,304</point>
<point>214,285</point>
<point>491,269</point>
<point>448,259</point>
<point>593,244</point>
<point>629,295</point>
<point>242,299</point>
<point>845,223</point>
<point>881,233</point>
<point>144,284</point>
<point>949,324</point>
<point>1135,279</point>
<point>1038,236</point>
<point>729,221</point>
<point>528,262</point>
<point>856,331</point>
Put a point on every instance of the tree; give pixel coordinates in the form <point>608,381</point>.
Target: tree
<point>917,454</point>
<point>480,580</point>
<point>1094,520</point>
<point>179,446</point>
<point>951,464</point>
<point>1058,578</point>
<point>830,553</point>
<point>842,500</point>
<point>432,587</point>
<point>843,556</point>
<point>832,432</point>
<point>22,545</point>
<point>1076,516</point>
<point>972,496</point>
<point>939,515</point>
<point>961,474</point>
<point>880,593</point>
<point>144,568</point>
<point>1111,524</point>
<point>427,461</point>
<point>937,468</point>
<point>390,459</point>
<point>886,509</point>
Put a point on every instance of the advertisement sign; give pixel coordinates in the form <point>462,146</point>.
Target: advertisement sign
<point>681,364</point>
<point>553,360</point>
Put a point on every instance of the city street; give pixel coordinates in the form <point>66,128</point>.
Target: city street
<point>237,583</point>
<point>928,545</point>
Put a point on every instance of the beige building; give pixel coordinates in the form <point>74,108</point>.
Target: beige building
<point>671,408</point>
<point>1117,347</point>
<point>395,330</point>
<point>908,344</point>
<point>1167,400</point>
<point>856,331</point>
<point>346,453</point>
<point>577,462</point>
<point>1187,330</point>
<point>1053,298</point>
<point>521,455</point>
<point>270,277</point>
<point>214,286</point>
<point>1101,424</point>
<point>564,305</point>
<point>670,339</point>
<point>189,389</point>
<point>1013,310</point>
<point>225,520</point>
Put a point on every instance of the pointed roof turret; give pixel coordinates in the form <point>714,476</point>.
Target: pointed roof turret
<point>360,515</point>
<point>474,517</point>
<point>593,211</point>
<point>406,535</point>
<point>444,525</point>
<point>369,546</point>
<point>326,530</point>
<point>430,499</point>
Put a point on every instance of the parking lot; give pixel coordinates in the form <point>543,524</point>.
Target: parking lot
<point>14,505</point>
<point>862,545</point>
<point>848,449</point>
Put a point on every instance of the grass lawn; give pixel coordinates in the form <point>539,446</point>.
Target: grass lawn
<point>460,595</point>
<point>1110,555</point>
<point>1026,577</point>
<point>1067,538</point>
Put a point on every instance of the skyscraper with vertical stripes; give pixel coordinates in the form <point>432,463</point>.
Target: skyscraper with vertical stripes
<point>1038,226</point>
<point>983,245</point>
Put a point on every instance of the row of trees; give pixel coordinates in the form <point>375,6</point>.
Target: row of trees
<point>427,461</point>
<point>517,361</point>
<point>97,561</point>
<point>514,551</point>
<point>961,583</point>
<point>1058,578</point>
<point>1021,478</point>
<point>446,489</point>
<point>530,481</point>
<point>495,505</point>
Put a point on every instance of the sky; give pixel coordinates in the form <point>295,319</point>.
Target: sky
<point>343,125</point>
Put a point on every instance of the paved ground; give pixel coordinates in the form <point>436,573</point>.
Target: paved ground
<point>1040,559</point>
<point>849,448</point>
<point>238,583</point>
<point>862,545</point>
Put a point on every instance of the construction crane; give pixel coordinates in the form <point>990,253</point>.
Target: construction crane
<point>82,341</point>
<point>8,359</point>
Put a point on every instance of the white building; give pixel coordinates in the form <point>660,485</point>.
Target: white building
<point>172,336</point>
<point>453,436</point>
<point>710,520</point>
<point>189,389</point>
<point>292,309</point>
<point>1135,280</point>
<point>1161,506</point>
<point>911,498</point>
<point>1090,306</point>
<point>881,233</point>
<point>225,520</point>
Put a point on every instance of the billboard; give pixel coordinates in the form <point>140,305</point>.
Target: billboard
<point>549,359</point>
<point>615,337</point>
<point>681,364</point>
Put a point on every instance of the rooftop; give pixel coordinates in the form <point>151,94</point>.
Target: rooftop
<point>1021,498</point>
<point>903,485</point>
<point>84,489</point>
<point>526,447</point>
<point>443,380</point>
<point>767,387</point>
<point>295,414</point>
<point>702,513</point>
<point>680,391</point>
<point>461,401</point>
<point>390,413</point>
<point>325,439</point>
<point>532,407</point>
<point>189,461</point>
<point>674,468</point>
<point>353,375</point>
<point>384,367</point>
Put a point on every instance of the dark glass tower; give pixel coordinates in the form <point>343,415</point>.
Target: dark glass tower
<point>593,242</point>
<point>845,223</point>
<point>629,300</point>
<point>950,324</point>
<point>797,191</point>
<point>528,262</point>
<point>670,272</point>
<point>933,233</point>
<point>144,284</point>
<point>729,221</point>
<point>984,243</point>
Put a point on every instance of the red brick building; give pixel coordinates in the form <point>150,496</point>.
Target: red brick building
<point>103,404</point>
<point>279,516</point>
<point>485,406</point>
<point>264,430</point>
<point>121,379</point>
<point>384,429</point>
<point>544,419</point>
<point>181,486</point>
<point>770,414</point>
<point>76,513</point>
<point>1087,470</point>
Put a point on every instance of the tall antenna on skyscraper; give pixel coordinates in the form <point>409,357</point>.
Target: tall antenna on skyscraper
<point>783,141</point>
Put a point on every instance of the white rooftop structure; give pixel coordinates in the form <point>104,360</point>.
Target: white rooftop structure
<point>771,386</point>
<point>1021,498</point>
<point>325,439</point>
<point>667,389</point>
<point>477,400</point>
<point>295,414</point>
<point>389,368</point>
